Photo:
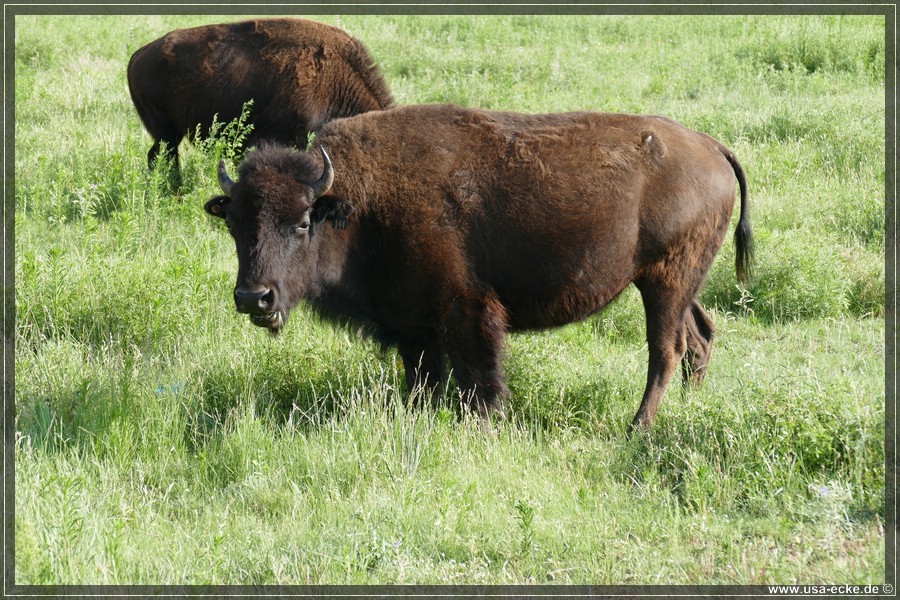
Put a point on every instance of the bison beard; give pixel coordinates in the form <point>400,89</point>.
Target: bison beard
<point>449,227</point>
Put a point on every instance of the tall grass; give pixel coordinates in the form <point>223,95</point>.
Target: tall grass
<point>162,439</point>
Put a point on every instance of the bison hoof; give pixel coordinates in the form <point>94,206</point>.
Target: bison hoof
<point>489,411</point>
<point>640,424</point>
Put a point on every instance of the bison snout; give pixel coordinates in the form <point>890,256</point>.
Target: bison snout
<point>254,301</point>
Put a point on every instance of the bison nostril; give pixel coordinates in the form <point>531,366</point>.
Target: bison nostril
<point>254,301</point>
<point>267,301</point>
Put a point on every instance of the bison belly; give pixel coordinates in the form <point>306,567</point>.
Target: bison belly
<point>561,274</point>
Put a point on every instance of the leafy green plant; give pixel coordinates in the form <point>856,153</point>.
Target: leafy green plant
<point>226,139</point>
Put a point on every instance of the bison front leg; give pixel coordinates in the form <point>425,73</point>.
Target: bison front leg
<point>699,331</point>
<point>475,330</point>
<point>423,362</point>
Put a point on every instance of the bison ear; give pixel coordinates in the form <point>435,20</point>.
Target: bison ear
<point>333,208</point>
<point>216,206</point>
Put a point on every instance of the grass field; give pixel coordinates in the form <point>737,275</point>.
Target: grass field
<point>162,439</point>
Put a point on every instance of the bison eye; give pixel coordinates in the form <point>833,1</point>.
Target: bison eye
<point>300,228</point>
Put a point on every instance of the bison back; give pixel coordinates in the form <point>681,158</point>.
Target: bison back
<point>557,213</point>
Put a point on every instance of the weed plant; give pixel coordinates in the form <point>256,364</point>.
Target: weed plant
<point>161,439</point>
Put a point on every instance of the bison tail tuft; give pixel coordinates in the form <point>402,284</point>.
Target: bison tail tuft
<point>743,234</point>
<point>744,256</point>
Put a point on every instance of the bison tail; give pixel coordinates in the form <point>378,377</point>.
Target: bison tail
<point>743,233</point>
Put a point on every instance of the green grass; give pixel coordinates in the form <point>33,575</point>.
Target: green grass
<point>160,438</point>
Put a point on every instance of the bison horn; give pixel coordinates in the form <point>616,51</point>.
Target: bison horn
<point>324,183</point>
<point>225,181</point>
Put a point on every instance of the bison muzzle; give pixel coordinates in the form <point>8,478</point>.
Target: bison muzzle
<point>439,229</point>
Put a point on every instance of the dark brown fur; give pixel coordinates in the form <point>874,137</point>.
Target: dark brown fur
<point>299,74</point>
<point>468,224</point>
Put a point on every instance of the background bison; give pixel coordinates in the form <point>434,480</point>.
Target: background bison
<point>451,227</point>
<point>298,73</point>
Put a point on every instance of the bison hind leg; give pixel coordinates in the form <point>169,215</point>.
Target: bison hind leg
<point>164,154</point>
<point>699,332</point>
<point>668,306</point>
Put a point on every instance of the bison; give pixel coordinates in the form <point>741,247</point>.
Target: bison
<point>438,229</point>
<point>299,74</point>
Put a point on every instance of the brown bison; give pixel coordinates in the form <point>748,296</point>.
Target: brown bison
<point>298,73</point>
<point>439,229</point>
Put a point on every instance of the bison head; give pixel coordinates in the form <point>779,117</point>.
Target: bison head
<point>276,213</point>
